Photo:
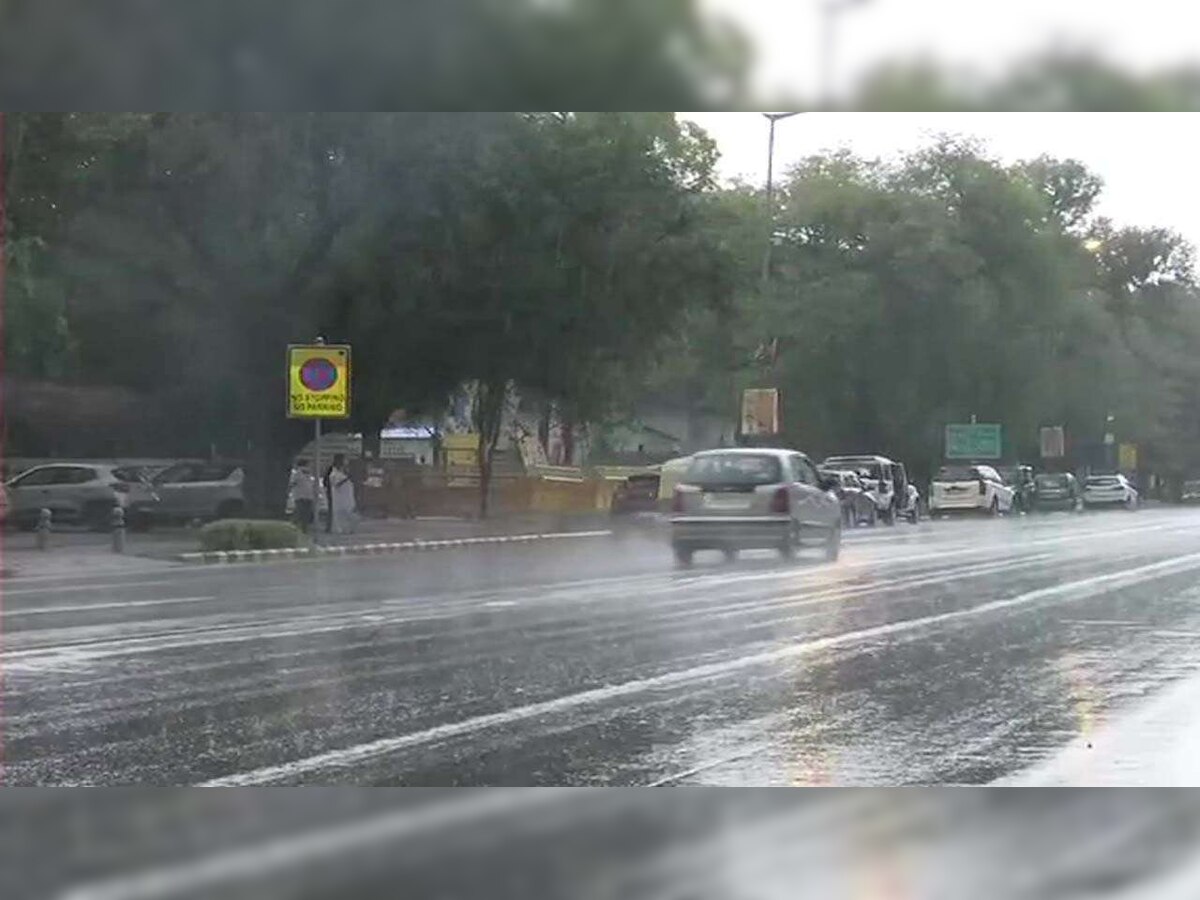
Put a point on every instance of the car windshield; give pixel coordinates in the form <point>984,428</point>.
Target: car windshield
<point>957,473</point>
<point>734,469</point>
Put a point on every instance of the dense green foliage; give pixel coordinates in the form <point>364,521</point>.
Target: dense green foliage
<point>915,293</point>
<point>248,534</point>
<point>590,261</point>
<point>178,254</point>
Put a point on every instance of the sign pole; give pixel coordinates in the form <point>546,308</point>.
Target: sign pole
<point>318,388</point>
<point>318,483</point>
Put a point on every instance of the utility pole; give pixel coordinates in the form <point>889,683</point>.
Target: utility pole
<point>771,118</point>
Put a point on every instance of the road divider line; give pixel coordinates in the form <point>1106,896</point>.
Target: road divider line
<point>374,549</point>
<point>346,757</point>
<point>6,591</point>
<point>89,607</point>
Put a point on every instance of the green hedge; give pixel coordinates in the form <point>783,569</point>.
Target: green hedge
<point>248,534</point>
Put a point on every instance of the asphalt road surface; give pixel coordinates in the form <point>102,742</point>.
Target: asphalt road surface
<point>951,652</point>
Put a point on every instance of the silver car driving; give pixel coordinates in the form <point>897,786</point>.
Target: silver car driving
<point>739,499</point>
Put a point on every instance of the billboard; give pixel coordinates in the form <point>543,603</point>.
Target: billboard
<point>760,411</point>
<point>973,442</point>
<point>1053,442</point>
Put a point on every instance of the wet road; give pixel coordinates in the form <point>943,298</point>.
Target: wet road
<point>953,652</point>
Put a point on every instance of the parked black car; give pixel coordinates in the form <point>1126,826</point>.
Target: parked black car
<point>858,507</point>
<point>1057,490</point>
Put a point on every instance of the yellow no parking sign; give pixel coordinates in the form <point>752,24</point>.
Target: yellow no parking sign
<point>318,381</point>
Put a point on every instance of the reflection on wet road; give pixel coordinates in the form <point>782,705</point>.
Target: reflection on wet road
<point>960,652</point>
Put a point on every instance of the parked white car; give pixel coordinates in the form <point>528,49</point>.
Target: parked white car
<point>82,493</point>
<point>958,488</point>
<point>1109,490</point>
<point>200,490</point>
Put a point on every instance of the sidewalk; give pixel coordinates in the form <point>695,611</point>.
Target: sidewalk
<point>77,552</point>
<point>1152,744</point>
<point>77,562</point>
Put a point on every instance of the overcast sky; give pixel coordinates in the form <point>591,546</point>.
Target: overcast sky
<point>1150,162</point>
<point>985,36</point>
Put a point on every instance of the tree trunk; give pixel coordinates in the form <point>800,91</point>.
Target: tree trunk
<point>543,432</point>
<point>274,442</point>
<point>488,413</point>
<point>568,439</point>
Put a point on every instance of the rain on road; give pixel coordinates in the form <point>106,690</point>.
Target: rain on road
<point>950,652</point>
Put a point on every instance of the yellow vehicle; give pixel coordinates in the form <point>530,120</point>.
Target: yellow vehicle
<point>669,474</point>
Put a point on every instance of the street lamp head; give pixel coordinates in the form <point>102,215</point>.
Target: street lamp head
<point>777,116</point>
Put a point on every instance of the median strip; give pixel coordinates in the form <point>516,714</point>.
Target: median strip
<point>372,549</point>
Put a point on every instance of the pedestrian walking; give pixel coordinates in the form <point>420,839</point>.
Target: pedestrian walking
<point>304,493</point>
<point>343,511</point>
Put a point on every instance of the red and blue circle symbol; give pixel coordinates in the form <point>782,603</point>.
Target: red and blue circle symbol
<point>318,374</point>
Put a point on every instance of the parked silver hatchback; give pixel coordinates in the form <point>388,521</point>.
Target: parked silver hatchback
<point>741,499</point>
<point>83,493</point>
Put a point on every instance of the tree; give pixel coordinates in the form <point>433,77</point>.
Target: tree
<point>569,252</point>
<point>224,236</point>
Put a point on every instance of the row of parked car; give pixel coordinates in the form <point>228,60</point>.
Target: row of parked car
<point>85,493</point>
<point>754,498</point>
<point>985,489</point>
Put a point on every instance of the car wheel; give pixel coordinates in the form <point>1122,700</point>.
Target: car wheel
<point>683,555</point>
<point>833,544</point>
<point>230,509</point>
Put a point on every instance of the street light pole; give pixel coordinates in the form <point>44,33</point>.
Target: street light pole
<point>771,118</point>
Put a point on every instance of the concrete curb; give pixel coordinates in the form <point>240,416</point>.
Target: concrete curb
<point>333,552</point>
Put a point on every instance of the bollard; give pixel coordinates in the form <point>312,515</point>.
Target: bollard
<point>118,529</point>
<point>43,528</point>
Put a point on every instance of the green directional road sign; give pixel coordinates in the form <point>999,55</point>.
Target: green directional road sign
<point>973,442</point>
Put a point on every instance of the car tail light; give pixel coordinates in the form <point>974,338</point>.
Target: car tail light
<point>677,501</point>
<point>781,501</point>
<point>982,487</point>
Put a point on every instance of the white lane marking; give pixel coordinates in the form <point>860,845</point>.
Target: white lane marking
<point>205,876</point>
<point>88,607</point>
<point>89,650</point>
<point>362,753</point>
<point>6,591</point>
